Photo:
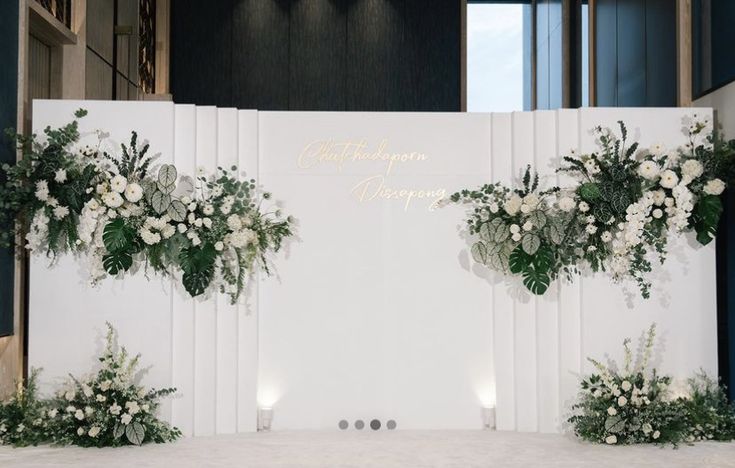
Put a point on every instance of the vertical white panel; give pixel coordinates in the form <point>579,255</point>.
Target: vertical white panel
<point>67,315</point>
<point>182,305</point>
<point>569,293</point>
<point>247,318</point>
<point>227,313</point>
<point>683,296</point>
<point>503,304</point>
<point>547,312</point>
<point>205,334</point>
<point>525,307</point>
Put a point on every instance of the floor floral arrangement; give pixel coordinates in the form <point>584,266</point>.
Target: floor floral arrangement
<point>635,405</point>
<point>617,218</point>
<point>119,210</point>
<point>106,409</point>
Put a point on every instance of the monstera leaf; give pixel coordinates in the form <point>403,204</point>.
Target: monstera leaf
<point>197,262</point>
<point>118,236</point>
<point>706,217</point>
<point>117,261</point>
<point>536,281</point>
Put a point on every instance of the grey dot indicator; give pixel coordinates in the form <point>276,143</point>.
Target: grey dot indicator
<point>375,424</point>
<point>343,424</point>
<point>359,424</point>
<point>390,424</point>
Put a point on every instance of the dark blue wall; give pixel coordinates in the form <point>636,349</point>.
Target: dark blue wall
<point>636,53</point>
<point>8,117</point>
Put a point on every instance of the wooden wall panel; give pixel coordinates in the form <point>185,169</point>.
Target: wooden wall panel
<point>377,75</point>
<point>260,55</point>
<point>201,51</point>
<point>318,56</point>
<point>329,55</point>
<point>432,31</point>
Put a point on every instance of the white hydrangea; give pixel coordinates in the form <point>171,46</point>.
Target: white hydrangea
<point>567,204</point>
<point>149,237</point>
<point>234,222</point>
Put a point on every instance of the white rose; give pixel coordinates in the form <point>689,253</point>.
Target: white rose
<point>656,434</point>
<point>126,418</point>
<point>100,397</point>
<point>79,414</point>
<point>112,199</point>
<point>512,205</point>
<point>494,208</point>
<point>105,385</point>
<point>692,168</point>
<point>207,222</point>
<point>611,440</point>
<point>527,226</point>
<point>612,411</point>
<point>94,431</point>
<point>181,227</point>
<point>626,385</point>
<point>219,246</point>
<point>669,179</point>
<point>118,183</point>
<point>648,170</point>
<point>714,187</point>
<point>525,209</point>
<point>168,231</point>
<point>80,431</point>
<point>531,200</point>
<point>133,192</point>
<point>115,409</point>
<point>622,401</point>
<point>514,228</point>
<point>70,395</point>
<point>657,213</point>
<point>192,206</point>
<point>516,237</point>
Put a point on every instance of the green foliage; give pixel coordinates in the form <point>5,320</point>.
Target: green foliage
<point>617,216</point>
<point>23,419</point>
<point>120,209</point>
<point>633,405</point>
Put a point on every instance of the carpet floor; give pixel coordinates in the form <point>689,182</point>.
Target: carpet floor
<point>385,449</point>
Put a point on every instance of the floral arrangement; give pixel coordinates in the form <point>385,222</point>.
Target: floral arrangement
<point>635,405</point>
<point>627,201</point>
<point>116,210</point>
<point>23,417</point>
<point>107,409</point>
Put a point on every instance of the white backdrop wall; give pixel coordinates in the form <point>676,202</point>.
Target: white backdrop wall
<point>377,310</point>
